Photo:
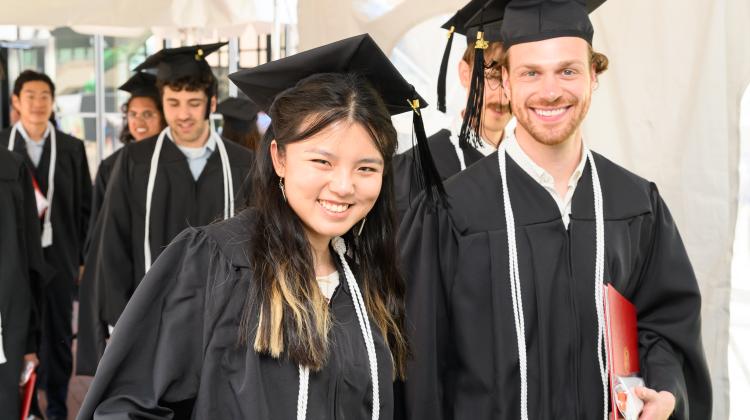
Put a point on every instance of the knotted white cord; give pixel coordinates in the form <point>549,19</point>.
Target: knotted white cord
<point>304,381</point>
<point>514,275</point>
<point>364,325</point>
<point>515,283</point>
<point>47,225</point>
<point>601,344</point>
<point>226,172</point>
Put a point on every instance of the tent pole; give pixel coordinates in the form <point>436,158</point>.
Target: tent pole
<point>276,38</point>
<point>99,95</point>
<point>234,60</point>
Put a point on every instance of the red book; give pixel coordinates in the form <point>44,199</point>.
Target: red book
<point>622,342</point>
<point>28,392</point>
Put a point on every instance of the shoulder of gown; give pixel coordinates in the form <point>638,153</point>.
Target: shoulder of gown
<point>140,373</point>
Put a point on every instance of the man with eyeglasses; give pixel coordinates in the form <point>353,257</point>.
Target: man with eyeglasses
<point>477,131</point>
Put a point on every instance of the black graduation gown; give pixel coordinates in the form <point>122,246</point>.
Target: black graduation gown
<point>116,254</point>
<point>176,343</point>
<point>71,205</point>
<point>460,312</point>
<point>92,331</point>
<point>22,272</point>
<point>103,173</point>
<point>447,163</point>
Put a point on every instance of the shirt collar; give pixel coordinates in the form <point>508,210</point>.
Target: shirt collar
<point>535,171</point>
<point>207,148</point>
<point>29,141</point>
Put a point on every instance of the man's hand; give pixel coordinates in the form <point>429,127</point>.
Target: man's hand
<point>656,405</point>
<point>28,358</point>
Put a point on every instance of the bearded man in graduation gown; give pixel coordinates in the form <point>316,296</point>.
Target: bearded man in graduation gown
<point>471,135</point>
<point>504,282</point>
<point>22,275</point>
<point>185,176</point>
<point>60,176</point>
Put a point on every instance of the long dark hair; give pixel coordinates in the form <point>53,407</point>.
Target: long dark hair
<point>285,311</point>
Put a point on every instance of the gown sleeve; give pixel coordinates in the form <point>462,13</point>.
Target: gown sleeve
<point>113,259</point>
<point>404,183</point>
<point>84,182</point>
<point>429,251</point>
<point>38,271</point>
<point>153,361</point>
<point>669,325</point>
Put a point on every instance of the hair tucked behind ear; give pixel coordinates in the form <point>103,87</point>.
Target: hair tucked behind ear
<point>285,314</point>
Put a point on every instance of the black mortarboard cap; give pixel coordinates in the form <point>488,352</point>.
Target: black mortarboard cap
<point>238,112</point>
<point>141,84</point>
<point>537,20</point>
<point>466,22</point>
<point>358,54</point>
<point>181,62</point>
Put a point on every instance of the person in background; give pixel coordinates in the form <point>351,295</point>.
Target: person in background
<point>240,121</point>
<point>185,176</point>
<point>22,275</point>
<point>62,182</point>
<point>472,135</point>
<point>143,119</point>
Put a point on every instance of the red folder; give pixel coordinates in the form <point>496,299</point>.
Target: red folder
<point>28,392</point>
<point>622,340</point>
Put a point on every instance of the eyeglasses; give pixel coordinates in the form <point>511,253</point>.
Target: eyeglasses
<point>146,115</point>
<point>492,78</point>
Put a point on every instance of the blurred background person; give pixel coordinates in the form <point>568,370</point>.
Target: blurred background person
<point>240,121</point>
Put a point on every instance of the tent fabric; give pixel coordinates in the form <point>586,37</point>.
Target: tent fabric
<point>667,108</point>
<point>116,16</point>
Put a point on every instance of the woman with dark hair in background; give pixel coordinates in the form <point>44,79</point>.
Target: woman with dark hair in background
<point>143,118</point>
<point>240,121</point>
<point>295,307</point>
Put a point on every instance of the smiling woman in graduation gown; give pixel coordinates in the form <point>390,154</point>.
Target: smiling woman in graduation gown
<point>177,344</point>
<point>237,320</point>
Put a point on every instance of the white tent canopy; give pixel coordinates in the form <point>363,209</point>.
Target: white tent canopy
<point>123,17</point>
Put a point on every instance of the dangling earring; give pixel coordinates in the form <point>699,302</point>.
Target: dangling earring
<point>281,187</point>
<point>361,226</point>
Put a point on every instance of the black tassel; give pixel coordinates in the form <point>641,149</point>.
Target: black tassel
<point>428,177</point>
<point>472,123</point>
<point>444,71</point>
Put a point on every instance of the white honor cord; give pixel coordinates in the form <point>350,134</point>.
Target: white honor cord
<point>601,343</point>
<point>226,170</point>
<point>2,353</point>
<point>516,285</point>
<point>459,153</point>
<point>47,225</point>
<point>364,325</point>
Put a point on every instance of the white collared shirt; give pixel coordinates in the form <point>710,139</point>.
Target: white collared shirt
<point>197,157</point>
<point>543,177</point>
<point>33,148</point>
<point>328,284</point>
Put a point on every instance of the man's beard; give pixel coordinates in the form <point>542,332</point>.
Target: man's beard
<point>559,135</point>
